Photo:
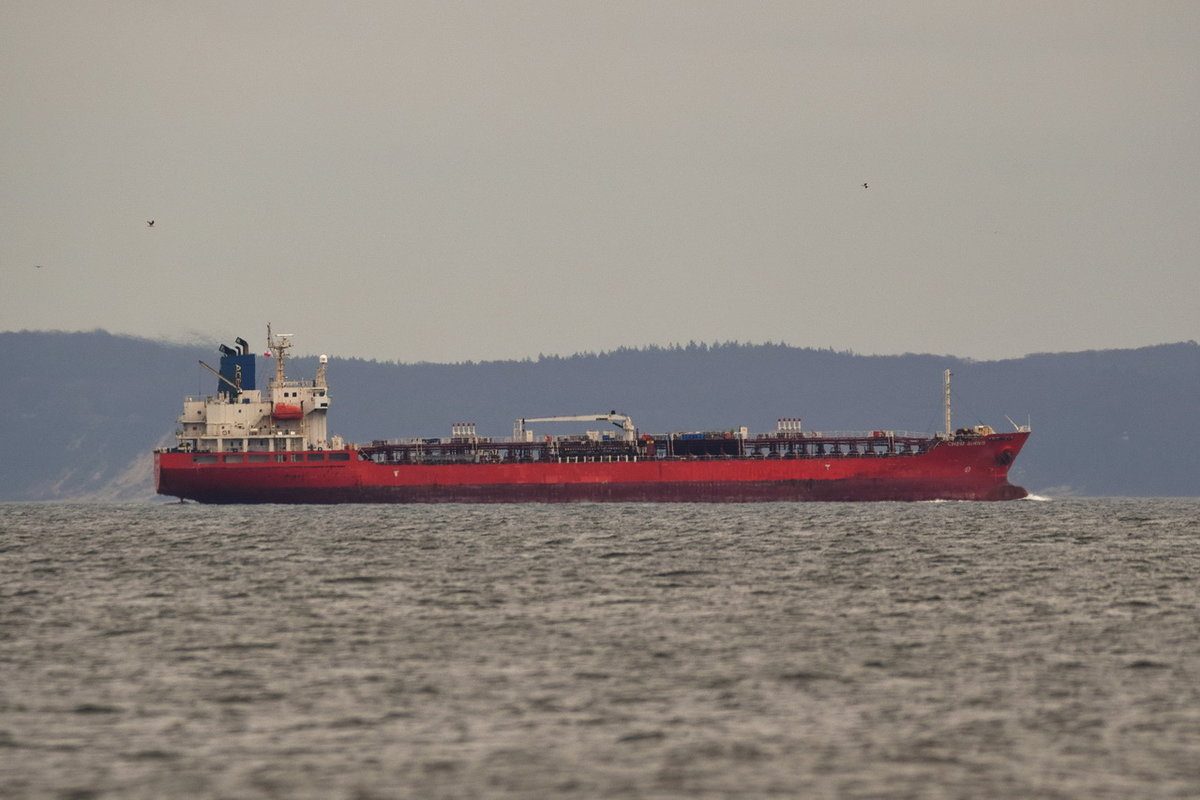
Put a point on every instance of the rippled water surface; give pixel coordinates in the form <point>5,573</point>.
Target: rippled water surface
<point>933,650</point>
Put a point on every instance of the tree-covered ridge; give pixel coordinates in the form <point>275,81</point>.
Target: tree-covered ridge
<point>81,410</point>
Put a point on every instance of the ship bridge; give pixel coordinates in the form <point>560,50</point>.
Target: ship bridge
<point>287,416</point>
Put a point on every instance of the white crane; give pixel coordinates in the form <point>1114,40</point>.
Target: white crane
<point>620,420</point>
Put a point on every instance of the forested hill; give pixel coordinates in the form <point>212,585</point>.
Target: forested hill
<point>80,413</point>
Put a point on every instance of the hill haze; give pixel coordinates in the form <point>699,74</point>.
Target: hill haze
<point>83,411</point>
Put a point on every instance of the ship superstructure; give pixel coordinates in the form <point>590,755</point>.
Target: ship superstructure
<point>248,445</point>
<point>287,416</point>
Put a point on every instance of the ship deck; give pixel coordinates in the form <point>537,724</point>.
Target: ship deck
<point>467,450</point>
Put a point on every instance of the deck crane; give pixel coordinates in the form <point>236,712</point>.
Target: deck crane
<point>620,420</point>
<point>221,377</point>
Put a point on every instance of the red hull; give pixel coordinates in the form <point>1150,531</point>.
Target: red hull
<point>971,469</point>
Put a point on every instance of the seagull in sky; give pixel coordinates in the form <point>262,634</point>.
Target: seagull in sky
<point>150,222</point>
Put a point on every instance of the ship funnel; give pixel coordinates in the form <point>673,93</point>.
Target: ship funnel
<point>237,370</point>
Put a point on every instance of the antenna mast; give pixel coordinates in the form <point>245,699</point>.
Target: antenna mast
<point>279,347</point>
<point>946,386</point>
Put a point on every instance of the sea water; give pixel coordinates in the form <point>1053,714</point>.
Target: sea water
<point>930,650</point>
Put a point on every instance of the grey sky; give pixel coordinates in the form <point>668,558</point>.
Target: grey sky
<point>448,181</point>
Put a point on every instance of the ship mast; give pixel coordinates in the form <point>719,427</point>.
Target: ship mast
<point>946,387</point>
<point>323,362</point>
<point>279,347</point>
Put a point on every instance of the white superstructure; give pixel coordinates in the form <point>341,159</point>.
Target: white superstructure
<point>240,418</point>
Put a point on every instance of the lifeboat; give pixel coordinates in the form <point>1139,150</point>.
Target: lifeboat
<point>286,411</point>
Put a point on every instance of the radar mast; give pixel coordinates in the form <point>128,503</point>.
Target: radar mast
<point>279,346</point>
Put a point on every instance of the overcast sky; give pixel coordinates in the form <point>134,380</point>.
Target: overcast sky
<point>449,181</point>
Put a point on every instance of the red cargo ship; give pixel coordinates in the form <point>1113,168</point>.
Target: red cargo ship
<point>246,445</point>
